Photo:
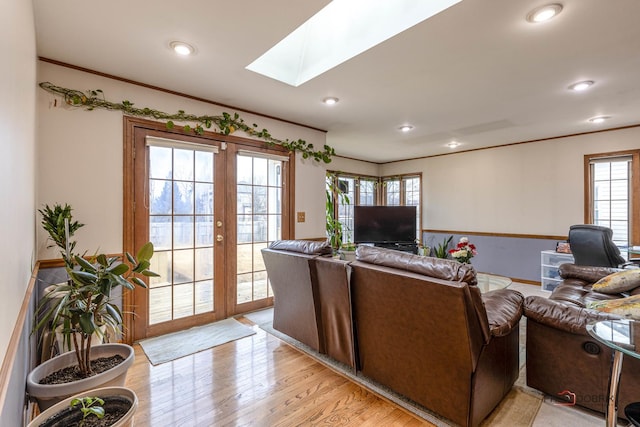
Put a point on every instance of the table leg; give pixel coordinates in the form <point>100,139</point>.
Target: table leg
<point>614,382</point>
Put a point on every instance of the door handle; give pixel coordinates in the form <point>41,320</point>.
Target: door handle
<point>219,238</point>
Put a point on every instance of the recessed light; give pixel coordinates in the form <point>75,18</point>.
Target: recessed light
<point>599,119</point>
<point>453,144</point>
<point>544,13</point>
<point>181,48</point>
<point>330,100</point>
<point>406,128</point>
<point>580,86</point>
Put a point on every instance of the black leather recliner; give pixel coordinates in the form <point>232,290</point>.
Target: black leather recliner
<point>593,245</point>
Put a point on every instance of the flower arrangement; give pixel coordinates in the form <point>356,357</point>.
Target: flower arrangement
<point>464,251</point>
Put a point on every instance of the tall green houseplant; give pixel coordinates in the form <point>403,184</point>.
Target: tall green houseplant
<point>83,304</point>
<point>334,197</point>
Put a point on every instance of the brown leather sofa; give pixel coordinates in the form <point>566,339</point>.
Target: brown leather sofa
<point>424,330</point>
<point>417,325</point>
<point>561,355</point>
<point>311,297</point>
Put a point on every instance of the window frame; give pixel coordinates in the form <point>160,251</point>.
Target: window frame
<point>634,193</point>
<point>380,192</point>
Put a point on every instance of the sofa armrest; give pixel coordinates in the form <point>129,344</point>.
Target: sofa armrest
<point>504,309</point>
<point>561,316</point>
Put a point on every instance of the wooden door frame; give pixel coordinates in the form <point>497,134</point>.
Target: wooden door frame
<point>131,326</point>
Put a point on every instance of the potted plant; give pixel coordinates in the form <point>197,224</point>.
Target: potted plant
<point>333,225</point>
<point>83,305</point>
<point>107,406</point>
<point>442,250</point>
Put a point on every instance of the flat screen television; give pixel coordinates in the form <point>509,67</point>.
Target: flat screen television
<point>384,224</point>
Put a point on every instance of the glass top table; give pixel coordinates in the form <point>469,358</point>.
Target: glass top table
<point>489,282</point>
<point>623,336</point>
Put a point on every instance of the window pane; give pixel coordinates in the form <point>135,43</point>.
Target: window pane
<point>204,296</point>
<point>244,170</point>
<point>160,232</point>
<point>204,231</point>
<point>183,266</point>
<point>620,170</point>
<point>182,300</point>
<point>160,163</point>
<point>182,197</point>
<point>161,264</point>
<point>275,227</point>
<point>204,264</point>
<point>244,261</point>
<point>601,190</point>
<point>183,164</point>
<point>245,228</point>
<point>610,183</point>
<point>260,171</point>
<point>259,199</point>
<point>183,232</point>
<point>159,197</point>
<point>259,228</point>
<point>619,190</point>
<point>601,171</point>
<point>204,166</point>
<point>204,198</point>
<point>259,220</point>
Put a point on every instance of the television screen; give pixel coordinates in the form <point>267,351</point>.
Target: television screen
<point>384,224</point>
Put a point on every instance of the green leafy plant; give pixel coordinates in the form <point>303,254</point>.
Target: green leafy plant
<point>89,406</point>
<point>82,305</point>
<point>442,250</point>
<point>54,221</point>
<point>225,123</point>
<point>334,197</point>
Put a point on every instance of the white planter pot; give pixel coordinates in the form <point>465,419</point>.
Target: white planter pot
<point>125,421</point>
<point>96,339</point>
<point>49,394</point>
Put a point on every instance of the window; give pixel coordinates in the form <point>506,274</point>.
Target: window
<point>363,191</point>
<point>404,191</point>
<point>612,181</point>
<point>358,191</point>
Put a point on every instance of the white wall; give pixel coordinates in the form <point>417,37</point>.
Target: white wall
<point>80,157</point>
<point>310,191</point>
<point>534,188</point>
<point>17,165</point>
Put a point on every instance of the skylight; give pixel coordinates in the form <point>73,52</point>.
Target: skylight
<point>338,32</point>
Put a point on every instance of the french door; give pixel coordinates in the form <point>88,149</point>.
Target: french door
<point>209,204</point>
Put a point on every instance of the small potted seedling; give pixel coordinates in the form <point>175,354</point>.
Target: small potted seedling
<point>104,407</point>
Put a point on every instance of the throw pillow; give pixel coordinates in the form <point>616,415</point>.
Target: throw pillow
<point>621,281</point>
<point>626,307</point>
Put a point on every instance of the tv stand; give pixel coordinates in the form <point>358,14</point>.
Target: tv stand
<point>399,246</point>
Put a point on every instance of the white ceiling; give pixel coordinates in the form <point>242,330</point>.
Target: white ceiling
<point>477,72</point>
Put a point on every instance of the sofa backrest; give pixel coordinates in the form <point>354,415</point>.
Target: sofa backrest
<point>288,269</point>
<point>407,322</point>
<point>444,269</point>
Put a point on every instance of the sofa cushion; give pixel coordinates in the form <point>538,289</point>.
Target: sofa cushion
<point>433,267</point>
<point>309,247</point>
<point>587,273</point>
<point>626,307</point>
<point>504,309</point>
<point>578,292</point>
<point>622,281</point>
<point>566,317</point>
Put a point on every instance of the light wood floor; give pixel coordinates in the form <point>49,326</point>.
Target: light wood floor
<point>259,381</point>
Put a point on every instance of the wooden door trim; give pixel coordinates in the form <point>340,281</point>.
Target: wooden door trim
<point>132,324</point>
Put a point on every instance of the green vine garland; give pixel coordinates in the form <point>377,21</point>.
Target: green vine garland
<point>225,123</point>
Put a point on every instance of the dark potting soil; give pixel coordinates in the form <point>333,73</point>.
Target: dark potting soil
<point>72,373</point>
<point>114,407</point>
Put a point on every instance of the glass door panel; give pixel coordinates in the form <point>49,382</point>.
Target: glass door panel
<point>181,227</point>
<point>259,222</point>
